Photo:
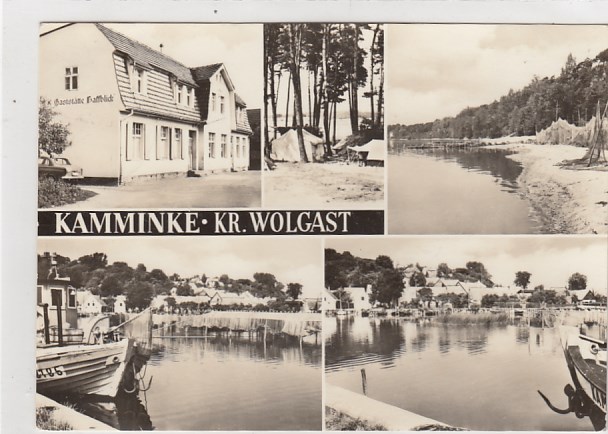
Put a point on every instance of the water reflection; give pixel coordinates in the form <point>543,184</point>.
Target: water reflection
<point>448,370</point>
<point>221,382</point>
<point>457,191</point>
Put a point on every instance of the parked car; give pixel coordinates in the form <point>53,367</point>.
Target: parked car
<point>58,168</point>
<point>48,169</point>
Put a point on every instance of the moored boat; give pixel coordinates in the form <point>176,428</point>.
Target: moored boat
<point>586,359</point>
<point>83,369</point>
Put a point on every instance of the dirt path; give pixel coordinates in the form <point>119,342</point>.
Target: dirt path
<point>222,190</point>
<point>322,186</point>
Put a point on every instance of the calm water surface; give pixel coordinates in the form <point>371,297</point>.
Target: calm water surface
<point>456,191</point>
<point>228,383</point>
<point>474,377</point>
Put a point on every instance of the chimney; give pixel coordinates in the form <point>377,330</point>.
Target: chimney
<point>161,47</point>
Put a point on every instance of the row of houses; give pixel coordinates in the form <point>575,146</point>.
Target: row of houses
<point>135,112</point>
<point>358,298</point>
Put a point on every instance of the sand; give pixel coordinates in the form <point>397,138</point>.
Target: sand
<point>565,200</point>
<point>323,186</point>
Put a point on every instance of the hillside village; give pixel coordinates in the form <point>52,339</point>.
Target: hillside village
<point>93,287</point>
<point>426,287</point>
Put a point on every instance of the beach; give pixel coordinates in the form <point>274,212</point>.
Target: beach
<point>327,185</point>
<point>565,200</point>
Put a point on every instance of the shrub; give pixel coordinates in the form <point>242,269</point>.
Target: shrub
<point>56,193</point>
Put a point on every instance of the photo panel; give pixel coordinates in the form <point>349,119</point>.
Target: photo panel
<point>324,117</point>
<point>166,333</point>
<point>419,330</point>
<point>497,129</point>
<point>139,115</point>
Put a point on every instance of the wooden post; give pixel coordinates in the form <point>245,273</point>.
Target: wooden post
<point>364,381</point>
<point>45,317</point>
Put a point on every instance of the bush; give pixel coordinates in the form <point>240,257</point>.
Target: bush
<point>56,193</point>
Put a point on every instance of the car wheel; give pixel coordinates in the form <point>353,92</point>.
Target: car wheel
<point>53,177</point>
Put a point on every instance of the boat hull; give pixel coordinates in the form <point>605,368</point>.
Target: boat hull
<point>83,369</point>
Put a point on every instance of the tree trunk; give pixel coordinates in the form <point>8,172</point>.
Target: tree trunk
<point>288,98</point>
<point>335,117</point>
<point>274,96</point>
<point>295,37</point>
<point>380,111</point>
<point>326,118</point>
<point>266,96</point>
<point>353,86</point>
<point>309,99</point>
<point>372,53</point>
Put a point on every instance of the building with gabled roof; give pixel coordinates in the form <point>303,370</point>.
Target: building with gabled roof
<point>135,112</point>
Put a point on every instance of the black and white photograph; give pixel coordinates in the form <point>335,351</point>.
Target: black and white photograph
<point>324,116</point>
<point>477,333</point>
<point>163,333</point>
<point>497,129</point>
<point>135,115</point>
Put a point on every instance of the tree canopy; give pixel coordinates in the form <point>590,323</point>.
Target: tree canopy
<point>572,96</point>
<point>53,136</point>
<point>522,279</point>
<point>577,281</point>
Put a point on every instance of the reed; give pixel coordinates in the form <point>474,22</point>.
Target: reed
<point>467,318</point>
<point>45,421</point>
<point>338,421</point>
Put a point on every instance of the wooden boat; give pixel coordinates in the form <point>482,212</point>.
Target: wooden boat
<point>84,369</point>
<point>586,359</point>
<point>104,368</point>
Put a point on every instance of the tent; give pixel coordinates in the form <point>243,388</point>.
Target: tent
<point>374,150</point>
<point>285,148</point>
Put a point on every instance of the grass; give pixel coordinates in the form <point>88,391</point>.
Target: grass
<point>46,422</point>
<point>56,193</point>
<point>483,318</point>
<point>338,421</point>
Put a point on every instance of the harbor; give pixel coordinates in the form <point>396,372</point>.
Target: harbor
<point>149,350</point>
<point>426,359</point>
<point>486,340</point>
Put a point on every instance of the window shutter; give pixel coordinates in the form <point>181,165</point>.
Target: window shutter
<point>157,144</point>
<point>128,150</point>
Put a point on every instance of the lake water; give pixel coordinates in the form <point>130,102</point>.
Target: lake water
<point>459,191</point>
<point>225,383</point>
<point>476,377</point>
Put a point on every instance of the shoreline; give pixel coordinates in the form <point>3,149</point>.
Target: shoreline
<point>565,201</point>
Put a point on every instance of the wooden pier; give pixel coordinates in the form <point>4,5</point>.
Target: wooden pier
<point>292,324</point>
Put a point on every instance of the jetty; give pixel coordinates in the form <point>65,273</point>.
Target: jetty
<point>78,421</point>
<point>375,412</point>
<point>293,324</point>
<point>436,143</point>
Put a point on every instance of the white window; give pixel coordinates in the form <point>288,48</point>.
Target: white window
<point>163,147</point>
<point>71,78</point>
<point>222,101</point>
<point>213,102</point>
<point>179,94</point>
<point>188,98</point>
<point>138,141</point>
<point>223,146</point>
<point>177,148</point>
<point>211,145</point>
<point>140,80</point>
<point>238,147</point>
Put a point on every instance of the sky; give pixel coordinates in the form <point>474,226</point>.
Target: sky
<point>238,46</point>
<point>434,71</point>
<point>239,258</point>
<point>364,103</point>
<point>551,260</point>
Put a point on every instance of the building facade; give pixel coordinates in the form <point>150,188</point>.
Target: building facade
<point>134,112</point>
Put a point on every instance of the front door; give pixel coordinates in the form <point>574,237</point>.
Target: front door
<point>192,142</point>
